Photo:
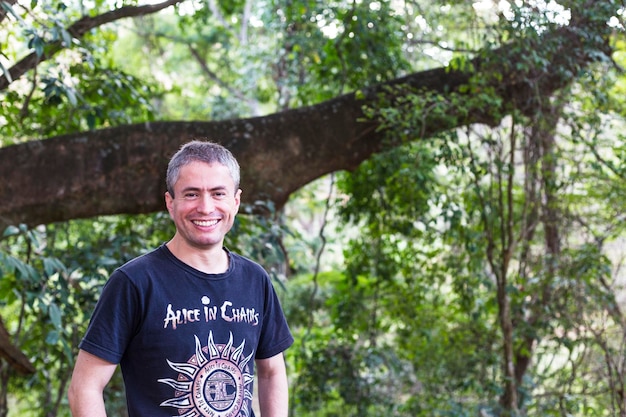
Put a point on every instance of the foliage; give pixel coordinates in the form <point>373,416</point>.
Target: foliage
<point>81,89</point>
<point>419,294</point>
<point>479,266</point>
<point>50,279</point>
<point>488,234</point>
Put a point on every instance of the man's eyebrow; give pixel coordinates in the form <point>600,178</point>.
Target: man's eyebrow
<point>194,188</point>
<point>190,189</point>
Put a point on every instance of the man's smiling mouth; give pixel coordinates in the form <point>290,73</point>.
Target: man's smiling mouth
<point>205,223</point>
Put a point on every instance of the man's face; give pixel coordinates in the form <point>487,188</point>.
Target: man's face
<point>205,204</point>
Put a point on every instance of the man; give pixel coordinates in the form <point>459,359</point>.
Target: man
<point>188,321</point>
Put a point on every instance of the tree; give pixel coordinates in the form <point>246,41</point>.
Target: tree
<point>284,151</point>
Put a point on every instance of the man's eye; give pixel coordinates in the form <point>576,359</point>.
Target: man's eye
<point>219,194</point>
<point>191,195</point>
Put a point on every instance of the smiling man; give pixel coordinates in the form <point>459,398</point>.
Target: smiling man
<point>189,321</point>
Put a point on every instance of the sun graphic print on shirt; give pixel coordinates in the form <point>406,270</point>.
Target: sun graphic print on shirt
<point>215,382</point>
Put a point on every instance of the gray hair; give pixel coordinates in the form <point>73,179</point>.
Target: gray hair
<point>208,152</point>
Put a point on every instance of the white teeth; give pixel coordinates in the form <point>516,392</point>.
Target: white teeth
<point>206,223</point>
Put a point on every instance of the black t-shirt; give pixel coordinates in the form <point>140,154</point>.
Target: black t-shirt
<point>186,341</point>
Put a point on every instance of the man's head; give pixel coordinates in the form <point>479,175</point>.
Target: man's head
<point>207,152</point>
<point>203,196</point>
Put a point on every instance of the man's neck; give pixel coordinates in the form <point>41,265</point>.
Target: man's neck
<point>210,261</point>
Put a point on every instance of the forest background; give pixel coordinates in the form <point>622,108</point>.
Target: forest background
<point>436,187</point>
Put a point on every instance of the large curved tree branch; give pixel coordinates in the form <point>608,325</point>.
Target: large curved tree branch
<point>77,30</point>
<point>121,169</point>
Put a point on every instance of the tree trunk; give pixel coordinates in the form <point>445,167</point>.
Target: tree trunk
<point>5,371</point>
<point>509,397</point>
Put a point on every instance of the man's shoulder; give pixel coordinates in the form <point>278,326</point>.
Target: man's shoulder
<point>246,263</point>
<point>152,258</point>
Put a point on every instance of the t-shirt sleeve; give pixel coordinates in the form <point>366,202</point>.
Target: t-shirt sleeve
<point>114,320</point>
<point>275,336</point>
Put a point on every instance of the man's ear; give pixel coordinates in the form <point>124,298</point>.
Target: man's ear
<point>168,201</point>
<point>238,198</point>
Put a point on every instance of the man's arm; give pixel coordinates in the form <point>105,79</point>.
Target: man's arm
<point>273,388</point>
<point>91,374</point>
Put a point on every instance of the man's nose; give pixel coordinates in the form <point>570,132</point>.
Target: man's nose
<point>206,203</point>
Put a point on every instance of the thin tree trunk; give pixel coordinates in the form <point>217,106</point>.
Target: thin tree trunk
<point>5,371</point>
<point>508,400</point>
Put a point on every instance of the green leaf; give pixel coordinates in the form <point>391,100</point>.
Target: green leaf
<point>55,315</point>
<point>52,337</point>
<point>52,266</point>
<point>10,231</point>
